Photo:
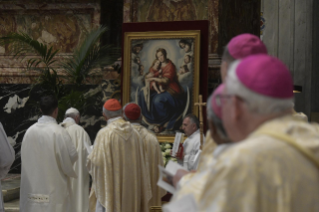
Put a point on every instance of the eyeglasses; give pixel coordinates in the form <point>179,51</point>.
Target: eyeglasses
<point>220,98</point>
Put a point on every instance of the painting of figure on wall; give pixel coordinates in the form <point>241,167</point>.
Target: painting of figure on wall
<point>162,81</point>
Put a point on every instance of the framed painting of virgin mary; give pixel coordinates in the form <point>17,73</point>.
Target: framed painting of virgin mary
<point>161,73</point>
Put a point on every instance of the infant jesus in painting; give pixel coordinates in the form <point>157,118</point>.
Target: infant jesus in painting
<point>155,71</point>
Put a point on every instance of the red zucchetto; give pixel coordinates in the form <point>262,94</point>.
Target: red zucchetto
<point>132,111</point>
<point>112,105</point>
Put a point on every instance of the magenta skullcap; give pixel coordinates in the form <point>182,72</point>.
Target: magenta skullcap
<point>265,75</point>
<point>215,106</point>
<point>245,45</point>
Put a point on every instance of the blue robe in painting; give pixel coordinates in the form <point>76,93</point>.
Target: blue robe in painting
<point>163,108</point>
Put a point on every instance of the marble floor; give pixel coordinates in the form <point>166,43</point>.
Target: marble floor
<point>12,206</point>
<point>11,191</point>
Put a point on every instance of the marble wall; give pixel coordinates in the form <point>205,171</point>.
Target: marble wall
<point>290,33</point>
<point>62,24</point>
<point>172,10</point>
<point>18,114</point>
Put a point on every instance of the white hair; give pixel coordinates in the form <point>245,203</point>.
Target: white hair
<point>256,103</point>
<point>127,119</point>
<point>216,121</point>
<point>72,112</point>
<point>112,114</point>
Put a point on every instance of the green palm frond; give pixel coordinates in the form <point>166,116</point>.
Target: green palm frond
<point>72,99</point>
<point>89,56</point>
<point>22,44</point>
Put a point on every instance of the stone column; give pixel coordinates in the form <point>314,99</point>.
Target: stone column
<point>289,34</point>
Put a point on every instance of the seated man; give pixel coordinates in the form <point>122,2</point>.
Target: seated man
<point>192,143</point>
<point>193,183</point>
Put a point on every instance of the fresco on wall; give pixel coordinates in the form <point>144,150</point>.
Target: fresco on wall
<point>60,31</point>
<point>60,26</point>
<point>175,10</point>
<point>172,10</point>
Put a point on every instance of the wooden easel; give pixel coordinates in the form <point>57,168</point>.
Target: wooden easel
<point>201,104</point>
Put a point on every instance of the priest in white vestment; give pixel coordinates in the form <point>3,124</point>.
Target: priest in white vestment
<point>152,151</point>
<point>274,165</point>
<point>81,140</point>
<point>7,157</point>
<point>47,156</point>
<point>118,167</point>
<point>192,143</point>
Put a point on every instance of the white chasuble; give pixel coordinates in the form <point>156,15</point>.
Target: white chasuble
<point>262,173</point>
<point>47,156</point>
<point>80,185</point>
<point>153,156</point>
<point>118,168</point>
<point>6,159</point>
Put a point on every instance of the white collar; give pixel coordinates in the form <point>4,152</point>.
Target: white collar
<point>194,133</point>
<point>135,123</point>
<point>69,120</point>
<point>46,119</point>
<point>109,121</point>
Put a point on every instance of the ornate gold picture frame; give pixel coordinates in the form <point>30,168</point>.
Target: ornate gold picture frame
<point>161,73</point>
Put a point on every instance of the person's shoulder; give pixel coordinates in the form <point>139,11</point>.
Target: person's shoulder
<point>196,136</point>
<point>170,63</point>
<point>77,127</point>
<point>29,131</point>
<point>33,126</point>
<point>103,130</point>
<point>150,133</point>
<point>253,149</point>
<point>115,127</point>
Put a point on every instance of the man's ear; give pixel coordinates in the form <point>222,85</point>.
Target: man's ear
<point>195,127</point>
<point>56,111</point>
<point>212,127</point>
<point>238,108</point>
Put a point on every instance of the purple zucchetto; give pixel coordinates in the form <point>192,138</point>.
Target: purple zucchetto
<point>244,45</point>
<point>265,75</point>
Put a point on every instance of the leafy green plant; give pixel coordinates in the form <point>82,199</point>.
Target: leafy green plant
<point>22,45</point>
<point>89,56</point>
<point>87,59</point>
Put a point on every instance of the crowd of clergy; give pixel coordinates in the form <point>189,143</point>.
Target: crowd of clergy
<point>258,155</point>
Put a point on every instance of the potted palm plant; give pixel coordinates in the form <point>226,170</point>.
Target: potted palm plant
<point>87,59</point>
